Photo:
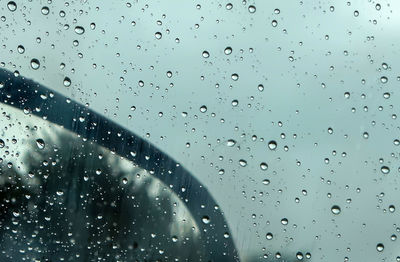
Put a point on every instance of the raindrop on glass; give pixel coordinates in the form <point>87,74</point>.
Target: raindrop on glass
<point>40,143</point>
<point>35,64</point>
<point>335,210</point>
<point>12,6</point>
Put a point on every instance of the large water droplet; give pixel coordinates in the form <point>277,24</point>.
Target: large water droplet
<point>384,79</point>
<point>272,145</point>
<point>12,6</point>
<point>230,142</point>
<point>269,236</point>
<point>206,54</point>
<point>205,220</point>
<point>35,64</point>
<point>228,50</point>
<point>380,247</point>
<point>2,144</point>
<point>242,162</point>
<point>385,170</point>
<point>336,210</point>
<point>203,109</point>
<point>264,166</point>
<point>21,49</point>
<point>40,143</point>
<point>67,81</point>
<point>79,30</point>
<point>45,10</point>
<point>252,9</point>
<point>158,35</point>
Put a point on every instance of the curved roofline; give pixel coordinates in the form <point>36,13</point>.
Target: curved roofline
<point>26,94</point>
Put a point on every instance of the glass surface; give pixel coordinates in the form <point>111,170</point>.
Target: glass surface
<point>228,131</point>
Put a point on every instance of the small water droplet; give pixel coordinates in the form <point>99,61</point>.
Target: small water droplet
<point>384,79</point>
<point>242,162</point>
<point>392,208</point>
<point>269,236</point>
<point>274,23</point>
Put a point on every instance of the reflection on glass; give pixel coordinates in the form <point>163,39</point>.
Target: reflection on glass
<point>66,199</point>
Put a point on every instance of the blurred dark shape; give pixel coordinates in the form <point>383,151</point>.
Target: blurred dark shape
<point>76,203</point>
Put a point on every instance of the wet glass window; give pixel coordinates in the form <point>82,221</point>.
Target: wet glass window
<point>146,130</point>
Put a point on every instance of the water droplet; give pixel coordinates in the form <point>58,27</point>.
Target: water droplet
<point>242,162</point>
<point>380,247</point>
<point>277,11</point>
<point>260,87</point>
<point>274,23</point>
<point>60,193</point>
<point>230,142</point>
<point>21,49</point>
<point>125,181</point>
<point>229,6</point>
<point>392,208</point>
<point>235,77</point>
<point>12,6</point>
<point>385,170</point>
<point>384,79</point>
<point>284,221</point>
<point>378,7</point>
<point>356,13</point>
<point>45,10</point>
<point>269,236</point>
<point>235,102</point>
<point>206,54</point>
<point>35,64</point>
<point>336,210</point>
<point>228,50</point>
<point>266,181</point>
<point>264,166</point>
<point>40,143</point>
<point>2,144</point>
<point>79,30</point>
<point>203,109</point>
<point>205,220</point>
<point>67,81</point>
<point>272,144</point>
<point>252,9</point>
<point>158,35</point>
